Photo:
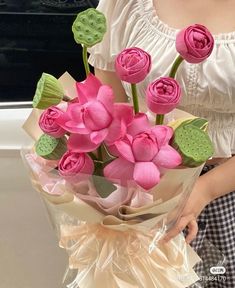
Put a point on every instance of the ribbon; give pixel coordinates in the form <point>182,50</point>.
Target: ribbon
<point>104,257</point>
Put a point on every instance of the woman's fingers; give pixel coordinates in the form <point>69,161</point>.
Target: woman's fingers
<point>184,221</point>
<point>192,230</point>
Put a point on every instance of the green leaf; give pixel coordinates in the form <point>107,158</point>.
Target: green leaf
<point>103,186</point>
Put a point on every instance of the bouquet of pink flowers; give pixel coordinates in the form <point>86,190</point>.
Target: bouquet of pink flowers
<point>113,179</point>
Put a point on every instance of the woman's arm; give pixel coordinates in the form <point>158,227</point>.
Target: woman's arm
<point>215,183</point>
<point>111,79</point>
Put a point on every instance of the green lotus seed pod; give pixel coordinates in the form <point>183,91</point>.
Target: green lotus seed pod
<point>49,92</point>
<point>193,144</point>
<point>51,148</point>
<point>89,27</point>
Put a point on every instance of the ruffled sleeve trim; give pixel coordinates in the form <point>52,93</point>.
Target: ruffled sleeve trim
<point>99,62</point>
<point>223,141</point>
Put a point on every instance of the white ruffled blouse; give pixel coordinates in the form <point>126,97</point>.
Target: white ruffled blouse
<point>208,88</point>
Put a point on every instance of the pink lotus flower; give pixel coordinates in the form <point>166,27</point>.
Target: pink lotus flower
<point>48,122</point>
<point>194,43</point>
<point>72,165</point>
<point>89,119</point>
<point>142,154</point>
<point>132,65</point>
<point>163,95</point>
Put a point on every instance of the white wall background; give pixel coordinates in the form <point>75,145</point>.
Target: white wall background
<point>29,254</point>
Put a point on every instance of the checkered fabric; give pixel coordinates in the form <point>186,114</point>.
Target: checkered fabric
<point>215,243</point>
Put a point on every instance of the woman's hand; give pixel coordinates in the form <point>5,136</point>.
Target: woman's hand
<point>216,183</point>
<point>196,202</point>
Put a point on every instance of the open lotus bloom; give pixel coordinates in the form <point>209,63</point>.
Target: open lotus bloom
<point>111,225</point>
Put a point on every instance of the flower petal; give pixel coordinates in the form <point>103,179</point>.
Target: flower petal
<point>71,126</point>
<point>117,130</point>
<point>119,170</point>
<point>123,111</point>
<point>106,97</point>
<point>163,134</point>
<point>62,119</point>
<point>88,167</point>
<point>88,89</point>
<point>125,150</point>
<point>144,147</point>
<point>167,157</point>
<point>74,127</point>
<point>139,124</point>
<point>74,111</point>
<point>98,136</point>
<point>113,150</point>
<point>81,143</point>
<point>146,174</point>
<point>96,117</point>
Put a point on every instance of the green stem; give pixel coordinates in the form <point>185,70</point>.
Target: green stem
<point>92,155</point>
<point>85,61</point>
<point>159,119</point>
<point>107,152</point>
<point>175,66</point>
<point>135,98</point>
<point>99,153</point>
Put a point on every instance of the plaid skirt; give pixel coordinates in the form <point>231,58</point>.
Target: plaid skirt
<point>215,243</point>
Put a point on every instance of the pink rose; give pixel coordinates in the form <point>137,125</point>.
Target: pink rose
<point>48,124</point>
<point>73,164</point>
<point>194,43</point>
<point>132,65</point>
<point>142,153</point>
<point>163,95</point>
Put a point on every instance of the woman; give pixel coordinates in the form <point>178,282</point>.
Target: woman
<point>208,91</point>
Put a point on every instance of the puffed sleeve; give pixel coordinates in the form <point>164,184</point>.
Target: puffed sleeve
<point>120,20</point>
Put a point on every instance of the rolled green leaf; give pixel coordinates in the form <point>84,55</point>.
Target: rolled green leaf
<point>201,123</point>
<point>51,148</point>
<point>193,143</point>
<point>89,27</point>
<point>196,121</point>
<point>49,92</point>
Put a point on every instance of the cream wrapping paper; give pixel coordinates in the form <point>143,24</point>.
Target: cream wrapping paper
<point>107,250</point>
<point>120,250</point>
<point>124,252</point>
